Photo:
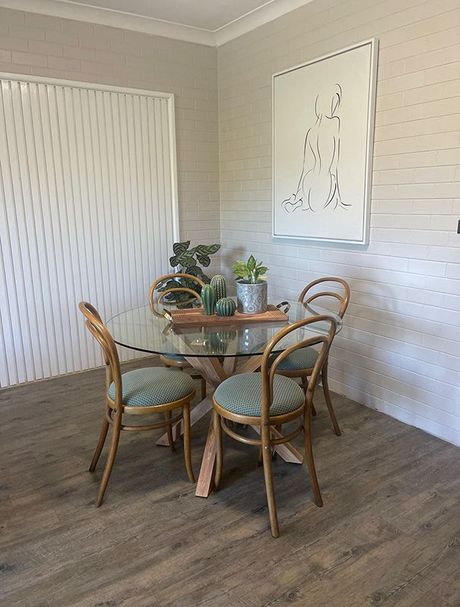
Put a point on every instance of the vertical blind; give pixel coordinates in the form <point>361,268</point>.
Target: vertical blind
<point>87,212</point>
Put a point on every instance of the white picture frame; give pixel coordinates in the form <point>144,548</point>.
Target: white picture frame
<point>322,146</point>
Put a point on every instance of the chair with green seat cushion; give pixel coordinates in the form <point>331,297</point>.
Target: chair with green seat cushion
<point>147,391</point>
<point>242,394</point>
<point>156,297</point>
<point>266,400</point>
<point>300,359</point>
<point>152,386</point>
<point>300,363</point>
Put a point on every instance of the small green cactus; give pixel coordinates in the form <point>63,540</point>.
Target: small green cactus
<point>208,297</point>
<point>220,286</point>
<point>225,307</point>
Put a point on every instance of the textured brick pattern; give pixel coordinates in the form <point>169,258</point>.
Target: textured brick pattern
<point>398,351</point>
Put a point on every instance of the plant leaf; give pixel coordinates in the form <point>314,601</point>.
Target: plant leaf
<point>180,247</point>
<point>204,260</point>
<point>186,261</point>
<point>174,261</point>
<point>251,263</point>
<point>203,249</point>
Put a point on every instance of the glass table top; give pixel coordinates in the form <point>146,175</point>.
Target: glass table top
<point>141,329</point>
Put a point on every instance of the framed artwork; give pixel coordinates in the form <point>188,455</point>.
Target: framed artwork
<point>323,123</point>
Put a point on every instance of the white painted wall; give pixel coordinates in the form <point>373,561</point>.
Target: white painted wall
<point>399,349</point>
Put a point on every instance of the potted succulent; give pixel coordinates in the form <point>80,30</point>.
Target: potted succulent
<point>251,288</point>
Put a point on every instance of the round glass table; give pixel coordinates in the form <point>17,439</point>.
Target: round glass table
<point>147,331</point>
<point>214,351</point>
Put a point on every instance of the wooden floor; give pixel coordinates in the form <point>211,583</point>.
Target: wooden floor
<point>388,533</point>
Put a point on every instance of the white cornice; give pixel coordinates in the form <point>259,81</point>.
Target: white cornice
<point>259,16</point>
<point>69,9</point>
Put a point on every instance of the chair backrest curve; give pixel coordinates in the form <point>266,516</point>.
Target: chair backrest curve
<point>342,298</point>
<point>270,364</point>
<point>102,335</point>
<point>177,289</point>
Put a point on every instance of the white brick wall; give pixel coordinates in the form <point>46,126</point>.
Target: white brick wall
<point>399,349</point>
<point>61,48</point>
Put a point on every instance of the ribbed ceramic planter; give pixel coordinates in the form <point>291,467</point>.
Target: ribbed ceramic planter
<point>251,298</point>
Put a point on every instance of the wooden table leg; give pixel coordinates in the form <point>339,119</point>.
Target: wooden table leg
<point>206,476</point>
<point>214,373</point>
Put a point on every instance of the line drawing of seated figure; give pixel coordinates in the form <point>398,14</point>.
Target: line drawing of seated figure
<point>318,187</point>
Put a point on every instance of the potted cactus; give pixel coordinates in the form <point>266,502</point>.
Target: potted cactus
<point>251,288</point>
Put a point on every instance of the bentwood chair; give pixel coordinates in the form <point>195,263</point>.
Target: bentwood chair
<point>139,392</point>
<point>156,297</point>
<point>268,400</point>
<point>300,364</point>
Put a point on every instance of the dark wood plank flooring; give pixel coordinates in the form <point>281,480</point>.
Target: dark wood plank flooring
<point>388,533</point>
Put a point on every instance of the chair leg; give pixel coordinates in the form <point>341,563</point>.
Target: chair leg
<point>268,475</point>
<point>309,456</point>
<point>169,431</point>
<point>187,442</point>
<point>116,428</point>
<point>327,397</point>
<point>100,444</point>
<point>219,448</point>
<point>203,388</point>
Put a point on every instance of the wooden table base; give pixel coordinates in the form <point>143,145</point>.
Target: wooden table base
<point>215,373</point>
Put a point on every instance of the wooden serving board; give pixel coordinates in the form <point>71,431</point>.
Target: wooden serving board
<point>195,316</point>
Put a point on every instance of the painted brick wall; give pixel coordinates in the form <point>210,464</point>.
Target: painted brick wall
<point>74,50</point>
<point>399,349</point>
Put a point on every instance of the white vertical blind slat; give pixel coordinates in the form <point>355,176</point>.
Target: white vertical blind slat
<point>86,212</point>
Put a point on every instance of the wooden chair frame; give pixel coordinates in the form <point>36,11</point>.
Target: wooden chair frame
<point>266,422</point>
<point>115,409</point>
<point>154,301</point>
<point>305,374</point>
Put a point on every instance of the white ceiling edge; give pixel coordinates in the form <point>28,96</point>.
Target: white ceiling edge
<point>128,21</point>
<point>259,16</point>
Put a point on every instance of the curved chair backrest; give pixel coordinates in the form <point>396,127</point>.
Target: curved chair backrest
<point>102,335</point>
<point>270,364</point>
<point>343,298</point>
<point>178,289</point>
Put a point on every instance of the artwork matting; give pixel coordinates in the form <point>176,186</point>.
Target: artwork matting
<point>323,124</point>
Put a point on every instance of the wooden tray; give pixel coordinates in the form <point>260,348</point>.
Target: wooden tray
<point>195,316</point>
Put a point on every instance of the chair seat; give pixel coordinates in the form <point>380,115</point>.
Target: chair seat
<point>153,386</point>
<point>303,358</point>
<point>241,394</point>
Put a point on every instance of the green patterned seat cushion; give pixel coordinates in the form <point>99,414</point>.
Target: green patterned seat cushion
<point>242,394</point>
<point>303,358</point>
<point>153,386</point>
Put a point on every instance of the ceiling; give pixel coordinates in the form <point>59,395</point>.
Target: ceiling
<point>210,22</point>
<point>204,14</point>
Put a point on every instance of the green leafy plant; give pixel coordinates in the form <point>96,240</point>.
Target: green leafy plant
<point>250,271</point>
<point>189,261</point>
